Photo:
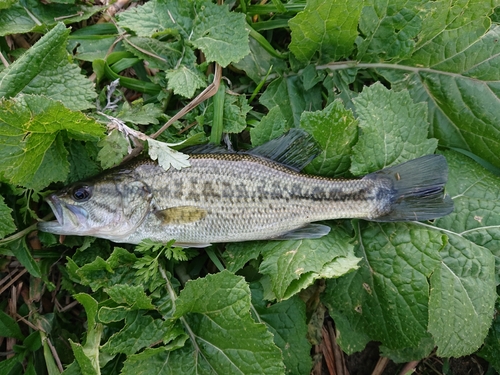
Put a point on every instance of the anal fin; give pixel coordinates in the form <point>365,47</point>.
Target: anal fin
<point>180,215</point>
<point>309,231</point>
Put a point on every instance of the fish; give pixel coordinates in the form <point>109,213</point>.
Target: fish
<point>228,196</point>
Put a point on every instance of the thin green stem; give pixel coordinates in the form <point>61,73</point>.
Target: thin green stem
<point>354,64</point>
<point>173,297</point>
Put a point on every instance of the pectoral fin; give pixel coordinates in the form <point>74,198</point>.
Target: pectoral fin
<point>181,215</point>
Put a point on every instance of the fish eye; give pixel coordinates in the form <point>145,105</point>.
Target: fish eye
<point>81,193</point>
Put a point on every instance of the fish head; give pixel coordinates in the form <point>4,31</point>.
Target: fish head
<point>110,207</point>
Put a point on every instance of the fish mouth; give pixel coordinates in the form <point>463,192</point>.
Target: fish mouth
<point>69,219</point>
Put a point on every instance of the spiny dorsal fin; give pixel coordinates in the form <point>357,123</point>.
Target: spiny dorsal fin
<point>180,215</point>
<point>295,149</point>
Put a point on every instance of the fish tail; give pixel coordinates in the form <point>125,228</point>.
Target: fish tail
<point>417,190</point>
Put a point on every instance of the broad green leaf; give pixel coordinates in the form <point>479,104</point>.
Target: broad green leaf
<point>45,70</point>
<point>388,29</point>
<point>163,362</point>
<point>293,265</point>
<point>7,225</point>
<point>5,4</point>
<point>221,35</point>
<point>457,75</point>
<point>234,113</point>
<point>326,27</point>
<point>270,126</point>
<point>31,132</point>
<point>424,348</point>
<point>184,81</point>
<point>117,269</point>
<point>161,17</point>
<point>476,196</point>
<point>335,129</point>
<point>159,55</point>
<point>394,130</point>
<point>258,62</point>
<point>287,322</point>
<point>82,162</point>
<point>462,298</point>
<point>387,297</point>
<point>223,336</point>
<point>35,16</point>
<point>167,156</point>
<point>289,95</point>
<point>140,113</point>
<point>140,330</point>
<point>237,254</point>
<point>113,149</point>
<point>130,295</point>
<point>9,327</point>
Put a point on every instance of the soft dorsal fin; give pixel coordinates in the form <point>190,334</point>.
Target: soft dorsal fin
<point>294,149</point>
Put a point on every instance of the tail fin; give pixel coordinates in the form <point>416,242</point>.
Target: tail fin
<point>418,189</point>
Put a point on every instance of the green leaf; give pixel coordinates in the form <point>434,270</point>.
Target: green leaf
<point>387,297</point>
<point>476,196</point>
<point>117,269</point>
<point>271,126</point>
<point>161,17</point>
<point>462,298</point>
<point>388,29</point>
<point>9,327</point>
<point>87,355</point>
<point>223,335</point>
<point>114,147</point>
<point>7,225</point>
<point>455,70</point>
<point>293,265</point>
<point>335,129</point>
<point>289,95</point>
<point>158,54</point>
<point>31,131</point>
<point>491,346</point>
<point>287,322</point>
<point>162,361</point>
<point>45,70</point>
<point>132,296</point>
<point>326,27</point>
<point>23,255</point>
<point>35,16</point>
<point>82,162</point>
<point>422,350</point>
<point>237,254</point>
<point>184,81</point>
<point>394,130</point>
<point>258,63</point>
<point>140,330</point>
<point>234,113</point>
<point>167,156</point>
<point>140,113</point>
<point>221,35</point>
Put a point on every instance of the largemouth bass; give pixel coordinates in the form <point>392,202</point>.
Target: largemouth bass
<point>228,197</point>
